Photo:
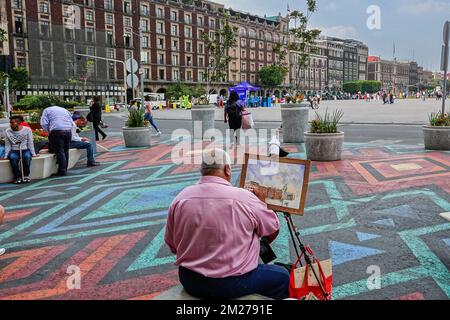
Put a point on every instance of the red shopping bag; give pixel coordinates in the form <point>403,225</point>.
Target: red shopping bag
<point>247,120</point>
<point>303,284</point>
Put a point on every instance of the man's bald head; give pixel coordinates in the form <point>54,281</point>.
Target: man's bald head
<point>216,162</point>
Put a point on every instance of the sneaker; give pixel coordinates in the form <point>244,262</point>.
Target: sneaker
<point>18,181</point>
<point>158,134</point>
<point>2,251</point>
<point>26,180</point>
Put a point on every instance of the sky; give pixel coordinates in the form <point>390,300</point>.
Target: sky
<point>415,26</point>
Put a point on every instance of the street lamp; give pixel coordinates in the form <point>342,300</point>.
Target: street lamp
<point>111,60</point>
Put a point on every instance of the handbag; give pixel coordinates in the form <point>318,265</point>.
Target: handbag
<point>247,120</point>
<point>90,117</point>
<point>304,285</point>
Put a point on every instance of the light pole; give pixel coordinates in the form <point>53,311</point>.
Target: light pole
<point>111,60</point>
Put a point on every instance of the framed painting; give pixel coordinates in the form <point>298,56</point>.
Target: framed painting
<point>283,180</point>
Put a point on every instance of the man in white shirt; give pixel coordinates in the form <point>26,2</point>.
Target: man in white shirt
<point>82,143</point>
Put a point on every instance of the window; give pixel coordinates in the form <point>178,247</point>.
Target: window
<point>109,38</point>
<point>127,39</point>
<point>160,44</point>
<point>89,15</point>
<point>212,23</point>
<point>174,16</point>
<point>128,55</point>
<point>188,46</point>
<point>174,30</point>
<point>111,70</point>
<point>159,27</point>
<point>200,21</point>
<point>252,33</point>
<point>127,22</point>
<point>18,25</point>
<point>161,58</point>
<point>88,3</point>
<point>189,75</point>
<point>175,60</point>
<point>175,75</point>
<point>201,76</point>
<point>159,13</point>
<point>17,4</point>
<point>244,66</point>
<point>20,44</point>
<point>145,41</point>
<point>252,43</point>
<point>108,4</point>
<point>161,74</point>
<point>189,61</point>
<point>145,57</point>
<point>243,54</point>
<point>242,32</point>
<point>90,51</point>
<point>144,10</point>
<point>201,48</point>
<point>43,7</point>
<point>201,62</point>
<point>90,34</point>
<point>175,45</point>
<point>187,19</point>
<point>44,29</point>
<point>188,32</point>
<point>109,19</point>
<point>68,34</point>
<point>110,53</point>
<point>144,25</point>
<point>243,42</point>
<point>127,7</point>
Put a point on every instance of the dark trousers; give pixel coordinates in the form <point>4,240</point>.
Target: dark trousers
<point>268,280</point>
<point>14,159</point>
<point>84,145</point>
<point>97,129</point>
<point>59,144</point>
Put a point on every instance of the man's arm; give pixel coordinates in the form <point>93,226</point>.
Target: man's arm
<point>45,121</point>
<point>168,238</point>
<point>267,222</point>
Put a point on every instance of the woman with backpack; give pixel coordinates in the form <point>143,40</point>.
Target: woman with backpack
<point>233,112</point>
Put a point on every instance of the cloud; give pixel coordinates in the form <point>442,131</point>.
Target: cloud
<point>332,6</point>
<point>418,8</point>
<point>339,31</point>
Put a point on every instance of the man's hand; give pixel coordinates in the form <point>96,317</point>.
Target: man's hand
<point>259,193</point>
<point>36,156</point>
<point>84,139</point>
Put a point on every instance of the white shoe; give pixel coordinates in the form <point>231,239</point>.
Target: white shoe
<point>158,134</point>
<point>2,251</point>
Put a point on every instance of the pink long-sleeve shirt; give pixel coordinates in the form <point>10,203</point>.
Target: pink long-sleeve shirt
<point>214,228</point>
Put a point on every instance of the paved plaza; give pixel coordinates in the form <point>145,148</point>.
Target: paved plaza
<point>379,207</point>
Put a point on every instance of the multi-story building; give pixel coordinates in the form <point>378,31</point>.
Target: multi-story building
<point>335,70</point>
<point>363,55</point>
<point>414,78</point>
<point>314,76</point>
<point>426,76</point>
<point>47,37</point>
<point>393,75</point>
<point>350,62</point>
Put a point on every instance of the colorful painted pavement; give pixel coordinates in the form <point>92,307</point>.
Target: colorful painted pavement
<point>378,207</point>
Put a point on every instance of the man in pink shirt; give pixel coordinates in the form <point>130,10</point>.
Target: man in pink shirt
<point>215,230</point>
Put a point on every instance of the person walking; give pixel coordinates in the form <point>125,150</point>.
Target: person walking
<point>233,113</point>
<point>149,116</point>
<point>96,112</point>
<point>58,123</point>
<point>19,149</point>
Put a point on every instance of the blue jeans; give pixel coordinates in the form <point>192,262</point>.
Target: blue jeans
<point>84,145</point>
<point>2,151</point>
<point>14,158</point>
<point>268,280</point>
<point>149,118</point>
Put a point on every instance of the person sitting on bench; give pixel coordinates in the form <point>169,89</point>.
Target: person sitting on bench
<point>215,229</point>
<point>19,149</point>
<point>82,143</point>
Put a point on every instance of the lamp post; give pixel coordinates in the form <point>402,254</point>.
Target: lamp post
<point>111,60</point>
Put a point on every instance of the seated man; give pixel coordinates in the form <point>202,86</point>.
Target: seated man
<point>215,230</point>
<point>82,143</point>
<point>19,146</point>
<point>2,213</point>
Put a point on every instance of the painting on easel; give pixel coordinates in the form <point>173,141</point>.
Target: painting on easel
<point>284,181</point>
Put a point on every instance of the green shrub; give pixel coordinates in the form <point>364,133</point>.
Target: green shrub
<point>42,102</point>
<point>439,120</point>
<point>328,123</point>
<point>136,119</point>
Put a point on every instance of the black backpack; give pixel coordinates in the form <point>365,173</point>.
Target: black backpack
<point>233,111</point>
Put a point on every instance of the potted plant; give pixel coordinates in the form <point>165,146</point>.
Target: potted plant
<point>136,133</point>
<point>324,142</point>
<point>294,117</point>
<point>437,133</point>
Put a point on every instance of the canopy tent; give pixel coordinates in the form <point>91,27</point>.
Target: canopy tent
<point>242,90</point>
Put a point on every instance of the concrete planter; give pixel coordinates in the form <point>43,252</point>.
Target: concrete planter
<point>136,137</point>
<point>436,138</point>
<point>203,118</point>
<point>324,146</point>
<point>295,122</point>
<point>90,134</point>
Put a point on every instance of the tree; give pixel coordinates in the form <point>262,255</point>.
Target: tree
<point>3,35</point>
<point>301,41</point>
<point>19,79</point>
<point>272,76</point>
<point>217,49</point>
<point>363,86</point>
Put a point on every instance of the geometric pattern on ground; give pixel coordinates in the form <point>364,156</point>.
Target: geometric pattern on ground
<point>379,206</point>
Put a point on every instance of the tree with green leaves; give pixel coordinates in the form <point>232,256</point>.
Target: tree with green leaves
<point>3,35</point>
<point>217,49</point>
<point>272,76</point>
<point>301,41</point>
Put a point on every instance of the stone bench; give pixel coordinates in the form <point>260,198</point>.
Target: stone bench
<point>41,167</point>
<point>178,293</point>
